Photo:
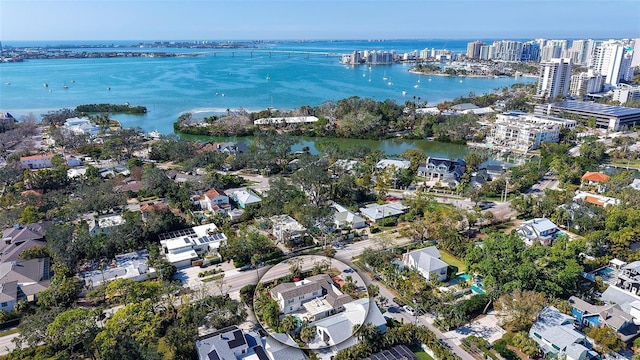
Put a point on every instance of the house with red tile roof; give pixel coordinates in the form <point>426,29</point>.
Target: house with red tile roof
<point>215,200</point>
<point>40,161</point>
<point>597,179</point>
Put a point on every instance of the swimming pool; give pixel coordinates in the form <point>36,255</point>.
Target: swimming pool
<point>477,288</point>
<point>604,271</point>
<point>463,277</point>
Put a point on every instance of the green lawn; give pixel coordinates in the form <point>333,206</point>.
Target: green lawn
<point>633,164</point>
<point>416,349</point>
<point>452,260</point>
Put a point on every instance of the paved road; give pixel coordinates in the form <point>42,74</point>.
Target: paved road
<point>6,343</point>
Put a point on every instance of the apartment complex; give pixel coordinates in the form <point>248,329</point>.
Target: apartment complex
<point>524,132</point>
<point>554,78</point>
<point>607,116</point>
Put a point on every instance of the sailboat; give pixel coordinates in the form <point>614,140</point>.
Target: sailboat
<point>384,77</point>
<point>45,84</point>
<point>268,77</point>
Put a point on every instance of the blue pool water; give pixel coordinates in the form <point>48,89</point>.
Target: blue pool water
<point>604,271</point>
<point>477,288</point>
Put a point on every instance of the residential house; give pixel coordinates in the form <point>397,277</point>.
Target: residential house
<point>595,199</point>
<point>287,230</point>
<point>629,277</point>
<point>427,262</point>
<point>245,197</point>
<point>597,179</point>
<point>555,334</point>
<point>80,126</point>
<point>377,212</point>
<point>133,265</point>
<point>337,328</point>
<point>105,224</point>
<point>343,218</point>
<point>492,171</point>
<point>635,184</point>
<point>397,164</point>
<point>41,161</point>
<point>538,229</point>
<point>293,296</point>
<point>215,201</point>
<point>611,315</point>
<point>19,238</point>
<point>231,343</point>
<point>23,279</point>
<point>443,170</point>
<point>183,247</point>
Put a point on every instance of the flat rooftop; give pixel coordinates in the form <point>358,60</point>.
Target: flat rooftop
<point>611,110</point>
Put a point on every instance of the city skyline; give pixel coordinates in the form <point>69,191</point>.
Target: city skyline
<point>315,20</point>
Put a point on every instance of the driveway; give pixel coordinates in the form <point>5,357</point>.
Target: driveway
<point>485,326</point>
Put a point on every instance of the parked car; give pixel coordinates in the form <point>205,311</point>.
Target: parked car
<point>410,310</point>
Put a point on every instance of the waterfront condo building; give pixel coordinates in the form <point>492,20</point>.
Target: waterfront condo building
<point>613,62</point>
<point>554,78</point>
<point>473,49</point>
<point>581,51</point>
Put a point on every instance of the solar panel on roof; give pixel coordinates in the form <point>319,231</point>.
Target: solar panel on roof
<point>213,355</point>
<point>238,339</point>
<point>262,355</point>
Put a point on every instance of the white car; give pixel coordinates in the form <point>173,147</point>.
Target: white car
<point>410,310</point>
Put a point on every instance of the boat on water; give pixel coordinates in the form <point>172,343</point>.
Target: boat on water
<point>45,84</point>
<point>416,86</point>
<point>404,93</point>
<point>65,86</point>
<point>7,83</point>
<point>268,77</point>
<point>155,134</point>
<point>384,76</point>
<point>108,87</point>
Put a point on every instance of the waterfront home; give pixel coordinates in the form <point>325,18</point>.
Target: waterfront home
<point>555,334</point>
<point>377,212</point>
<point>611,315</point>
<point>286,120</point>
<point>396,164</point>
<point>80,126</point>
<point>538,229</point>
<point>427,262</point>
<point>443,170</point>
<point>287,230</point>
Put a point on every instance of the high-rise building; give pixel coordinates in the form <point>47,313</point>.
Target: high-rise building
<point>624,93</point>
<point>530,51</point>
<point>554,78</point>
<point>581,51</point>
<point>608,61</point>
<point>550,51</point>
<point>473,49</point>
<point>508,50</point>
<point>635,61</point>
<point>585,83</point>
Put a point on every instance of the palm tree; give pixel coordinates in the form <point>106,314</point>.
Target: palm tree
<point>288,324</point>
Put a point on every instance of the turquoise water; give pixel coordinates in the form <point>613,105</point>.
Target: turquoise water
<point>299,73</point>
<point>605,271</point>
<point>463,277</point>
<point>477,288</point>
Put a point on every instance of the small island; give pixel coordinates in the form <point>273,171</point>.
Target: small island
<point>111,108</point>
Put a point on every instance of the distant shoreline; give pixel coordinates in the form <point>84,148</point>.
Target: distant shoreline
<point>472,75</point>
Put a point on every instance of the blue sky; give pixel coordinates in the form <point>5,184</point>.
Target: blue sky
<point>315,19</point>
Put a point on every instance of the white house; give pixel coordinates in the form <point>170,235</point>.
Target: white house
<point>181,247</point>
<point>80,126</point>
<point>343,218</point>
<point>286,229</point>
<point>105,224</point>
<point>215,201</point>
<point>41,161</point>
<point>133,265</point>
<point>376,212</point>
<point>398,164</point>
<point>427,262</point>
<point>286,120</point>
<point>538,229</point>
